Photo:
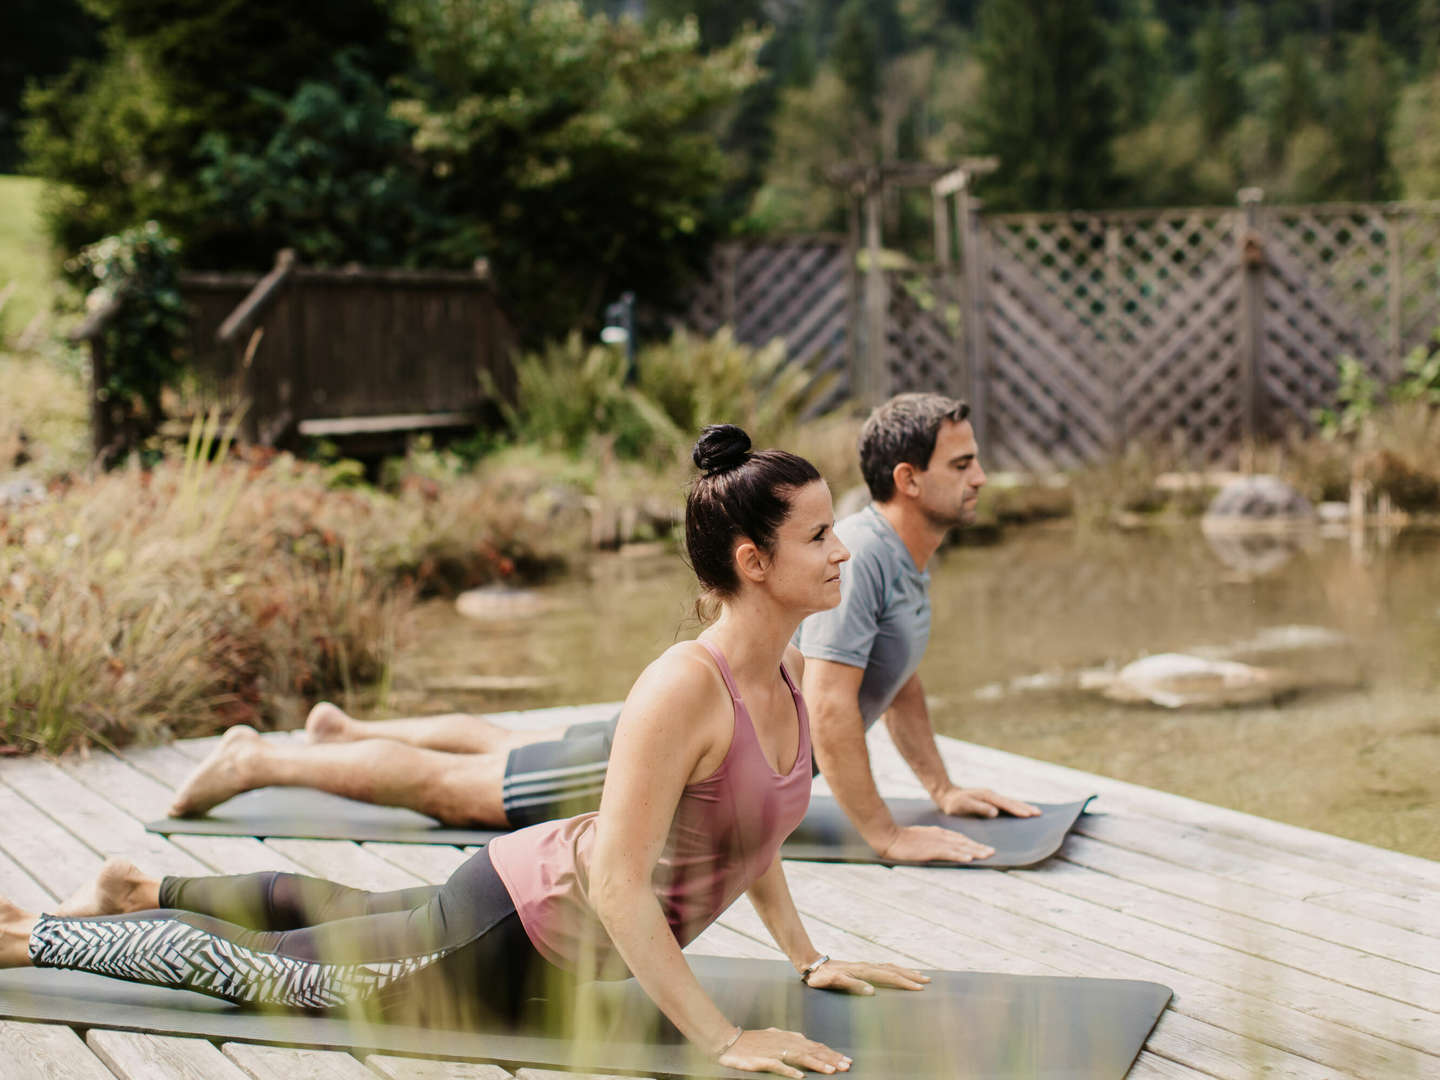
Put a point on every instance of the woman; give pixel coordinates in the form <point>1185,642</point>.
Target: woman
<point>710,771</point>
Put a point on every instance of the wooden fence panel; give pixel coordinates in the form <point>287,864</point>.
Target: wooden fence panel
<point>798,289</point>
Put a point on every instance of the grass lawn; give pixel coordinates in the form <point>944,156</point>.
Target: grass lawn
<point>25,255</point>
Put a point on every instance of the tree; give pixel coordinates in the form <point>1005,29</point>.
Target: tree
<point>1046,110</point>
<point>580,151</point>
<point>1369,88</point>
<point>44,37</point>
<point>119,136</point>
<point>1220,95</point>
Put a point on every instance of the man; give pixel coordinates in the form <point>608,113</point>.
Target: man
<point>918,455</point>
<point>922,467</point>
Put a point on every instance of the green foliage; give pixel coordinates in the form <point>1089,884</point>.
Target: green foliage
<point>579,149</point>
<point>1046,108</point>
<point>573,396</point>
<point>1359,397</point>
<point>139,268</point>
<point>1416,139</point>
<point>47,35</point>
<point>1356,399</point>
<point>333,181</point>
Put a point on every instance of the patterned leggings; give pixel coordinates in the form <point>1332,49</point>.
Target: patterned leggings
<point>445,954</point>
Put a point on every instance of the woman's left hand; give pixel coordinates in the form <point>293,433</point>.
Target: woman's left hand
<point>854,977</point>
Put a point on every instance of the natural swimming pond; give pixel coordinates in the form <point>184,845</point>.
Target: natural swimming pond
<point>1356,752</point>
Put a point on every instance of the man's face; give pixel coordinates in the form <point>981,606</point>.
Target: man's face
<point>950,485</point>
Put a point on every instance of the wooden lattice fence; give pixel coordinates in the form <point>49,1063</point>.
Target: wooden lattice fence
<point>1199,328</point>
<point>798,289</point>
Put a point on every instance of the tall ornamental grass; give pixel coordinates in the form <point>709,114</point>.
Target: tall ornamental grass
<point>215,589</point>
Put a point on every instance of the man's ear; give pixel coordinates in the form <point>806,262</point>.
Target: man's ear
<point>904,475</point>
<point>750,561</point>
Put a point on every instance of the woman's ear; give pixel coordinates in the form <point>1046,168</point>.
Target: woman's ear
<point>750,561</point>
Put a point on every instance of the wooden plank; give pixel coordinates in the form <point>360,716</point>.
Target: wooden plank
<point>428,862</point>
<point>283,1063</point>
<point>919,926</point>
<point>1356,863</point>
<point>560,1074</point>
<point>138,794</point>
<point>403,1068</point>
<point>44,849</point>
<point>237,854</point>
<point>20,888</point>
<point>93,819</point>
<point>1150,1066</point>
<point>1191,864</point>
<point>1271,1003</point>
<point>135,1056</point>
<point>346,863</point>
<point>46,1052</point>
<point>1350,968</point>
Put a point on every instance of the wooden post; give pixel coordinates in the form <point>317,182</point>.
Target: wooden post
<point>876,386</point>
<point>976,310</point>
<point>855,331</point>
<point>1252,316</point>
<point>102,409</point>
<point>950,294</point>
<point>102,419</point>
<point>1114,328</point>
<point>1395,233</point>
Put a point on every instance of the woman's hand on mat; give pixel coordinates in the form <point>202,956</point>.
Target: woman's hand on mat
<point>982,802</point>
<point>931,843</point>
<point>853,977</point>
<point>788,1053</point>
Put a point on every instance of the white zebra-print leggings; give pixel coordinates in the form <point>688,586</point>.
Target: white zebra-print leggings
<point>276,939</point>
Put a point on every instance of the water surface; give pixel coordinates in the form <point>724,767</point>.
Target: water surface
<point>1357,755</point>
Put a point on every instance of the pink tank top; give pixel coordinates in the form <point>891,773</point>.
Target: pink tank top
<point>726,832</point>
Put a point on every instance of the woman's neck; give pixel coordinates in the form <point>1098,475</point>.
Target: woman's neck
<point>753,637</point>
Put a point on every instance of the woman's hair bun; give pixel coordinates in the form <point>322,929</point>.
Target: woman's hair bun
<point>721,447</point>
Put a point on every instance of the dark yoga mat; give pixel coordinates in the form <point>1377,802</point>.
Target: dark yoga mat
<point>825,835</point>
<point>964,1024</point>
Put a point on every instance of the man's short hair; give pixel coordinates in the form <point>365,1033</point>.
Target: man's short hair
<point>903,429</point>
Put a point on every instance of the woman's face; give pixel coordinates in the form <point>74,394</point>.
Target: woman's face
<point>804,567</point>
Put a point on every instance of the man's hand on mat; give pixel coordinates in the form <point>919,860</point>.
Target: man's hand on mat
<point>981,802</point>
<point>853,977</point>
<point>931,843</point>
<point>788,1053</point>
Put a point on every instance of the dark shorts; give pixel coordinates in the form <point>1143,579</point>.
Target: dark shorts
<point>559,778</point>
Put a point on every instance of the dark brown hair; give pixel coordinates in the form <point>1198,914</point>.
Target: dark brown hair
<point>903,429</point>
<point>738,494</point>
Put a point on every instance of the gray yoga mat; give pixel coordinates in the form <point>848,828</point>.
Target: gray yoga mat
<point>825,835</point>
<point>964,1024</point>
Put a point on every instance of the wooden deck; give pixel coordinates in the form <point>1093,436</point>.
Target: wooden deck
<point>1291,953</point>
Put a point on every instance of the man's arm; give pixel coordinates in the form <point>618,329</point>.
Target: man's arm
<point>908,720</point>
<point>837,734</point>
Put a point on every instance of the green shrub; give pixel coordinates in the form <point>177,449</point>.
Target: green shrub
<point>139,269</point>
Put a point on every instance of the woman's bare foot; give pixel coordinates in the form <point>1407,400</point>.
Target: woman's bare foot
<point>221,775</point>
<point>15,927</point>
<point>120,888</point>
<point>328,723</point>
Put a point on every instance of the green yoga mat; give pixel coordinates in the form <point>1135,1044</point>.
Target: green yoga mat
<point>965,1024</point>
<point>825,835</point>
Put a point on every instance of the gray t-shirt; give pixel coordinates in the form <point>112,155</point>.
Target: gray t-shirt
<point>882,623</point>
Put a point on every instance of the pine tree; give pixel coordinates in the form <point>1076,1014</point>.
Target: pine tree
<point>1221,97</point>
<point>1047,109</point>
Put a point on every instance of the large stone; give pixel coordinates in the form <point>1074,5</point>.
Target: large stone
<point>1259,500</point>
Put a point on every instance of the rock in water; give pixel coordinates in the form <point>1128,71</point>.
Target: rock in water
<point>1258,501</point>
<point>1175,680</point>
<point>496,602</point>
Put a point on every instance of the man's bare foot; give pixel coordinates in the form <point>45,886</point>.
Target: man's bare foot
<point>118,889</point>
<point>15,927</point>
<point>328,723</point>
<point>221,775</point>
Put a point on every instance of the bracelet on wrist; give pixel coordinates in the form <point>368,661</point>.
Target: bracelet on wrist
<point>812,967</point>
<point>731,1041</point>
